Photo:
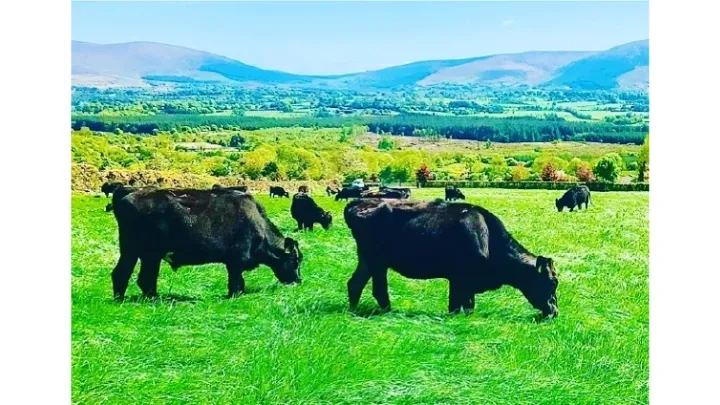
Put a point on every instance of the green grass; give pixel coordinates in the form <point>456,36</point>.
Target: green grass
<point>300,345</point>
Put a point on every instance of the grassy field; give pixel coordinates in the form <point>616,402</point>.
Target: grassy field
<point>300,345</point>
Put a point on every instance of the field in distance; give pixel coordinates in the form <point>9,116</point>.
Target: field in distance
<point>300,344</point>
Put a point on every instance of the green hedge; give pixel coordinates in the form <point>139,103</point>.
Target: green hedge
<point>539,185</point>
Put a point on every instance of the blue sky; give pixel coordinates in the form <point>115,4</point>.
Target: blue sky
<point>335,37</point>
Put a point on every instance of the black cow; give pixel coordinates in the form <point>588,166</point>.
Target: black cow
<point>193,227</point>
<point>453,193</point>
<point>330,191</point>
<point>122,191</point>
<point>277,191</point>
<point>403,190</point>
<point>108,188</point>
<point>243,189</point>
<point>391,194</point>
<point>303,189</point>
<point>574,197</point>
<point>460,242</point>
<point>347,193</point>
<point>306,212</point>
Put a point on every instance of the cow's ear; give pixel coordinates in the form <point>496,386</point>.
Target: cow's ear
<point>540,263</point>
<point>289,245</point>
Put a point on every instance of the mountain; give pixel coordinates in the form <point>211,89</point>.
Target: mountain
<point>135,63</point>
<point>624,66</point>
<point>138,64</point>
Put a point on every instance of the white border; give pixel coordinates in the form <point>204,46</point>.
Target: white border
<point>35,203</point>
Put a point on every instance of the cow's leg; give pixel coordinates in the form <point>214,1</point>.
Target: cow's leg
<point>121,275</point>
<point>236,282</point>
<point>380,289</point>
<point>300,226</point>
<point>459,295</point>
<point>148,277</point>
<point>309,226</point>
<point>357,283</point>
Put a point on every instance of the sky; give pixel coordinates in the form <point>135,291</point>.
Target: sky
<point>346,37</point>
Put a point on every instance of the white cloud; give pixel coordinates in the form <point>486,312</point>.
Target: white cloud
<point>508,22</point>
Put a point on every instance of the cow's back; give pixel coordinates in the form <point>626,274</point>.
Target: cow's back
<point>203,225</point>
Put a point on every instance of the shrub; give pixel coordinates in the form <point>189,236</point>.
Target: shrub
<point>548,173</point>
<point>520,173</point>
<point>386,143</point>
<point>585,174</point>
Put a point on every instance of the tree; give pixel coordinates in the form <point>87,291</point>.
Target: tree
<point>488,144</point>
<point>271,171</point>
<point>643,159</point>
<point>401,174</point>
<point>386,175</point>
<point>607,168</point>
<point>423,175</point>
<point>236,141</point>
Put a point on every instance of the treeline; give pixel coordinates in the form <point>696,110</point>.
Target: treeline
<point>511,129</point>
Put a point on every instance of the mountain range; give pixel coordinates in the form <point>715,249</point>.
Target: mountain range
<point>140,64</point>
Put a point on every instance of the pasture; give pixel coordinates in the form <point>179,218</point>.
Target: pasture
<point>300,344</point>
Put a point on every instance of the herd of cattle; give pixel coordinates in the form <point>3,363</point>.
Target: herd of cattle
<point>463,243</point>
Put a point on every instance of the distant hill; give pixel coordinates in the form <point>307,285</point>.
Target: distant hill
<point>530,68</point>
<point>138,64</point>
<point>624,66</point>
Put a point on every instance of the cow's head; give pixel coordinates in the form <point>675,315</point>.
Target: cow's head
<point>326,220</point>
<point>460,195</point>
<point>559,205</point>
<point>288,269</point>
<point>543,291</point>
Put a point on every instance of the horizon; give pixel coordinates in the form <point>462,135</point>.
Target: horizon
<point>303,50</point>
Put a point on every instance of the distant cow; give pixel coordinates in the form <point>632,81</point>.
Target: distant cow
<point>453,193</point>
<point>193,227</point>
<point>460,242</point>
<point>330,191</point>
<point>306,212</point>
<point>277,191</point>
<point>108,188</point>
<point>403,190</point>
<point>243,189</point>
<point>347,193</point>
<point>574,197</point>
<point>303,189</point>
<point>393,194</point>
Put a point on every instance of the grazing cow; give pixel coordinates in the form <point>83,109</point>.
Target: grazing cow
<point>303,189</point>
<point>460,242</point>
<point>347,193</point>
<point>453,193</point>
<point>277,191</point>
<point>108,188</point>
<point>306,212</point>
<point>574,197</point>
<point>330,191</point>
<point>193,227</point>
<point>243,189</point>
<point>393,194</point>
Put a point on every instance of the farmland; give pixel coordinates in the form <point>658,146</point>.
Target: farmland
<point>300,344</point>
